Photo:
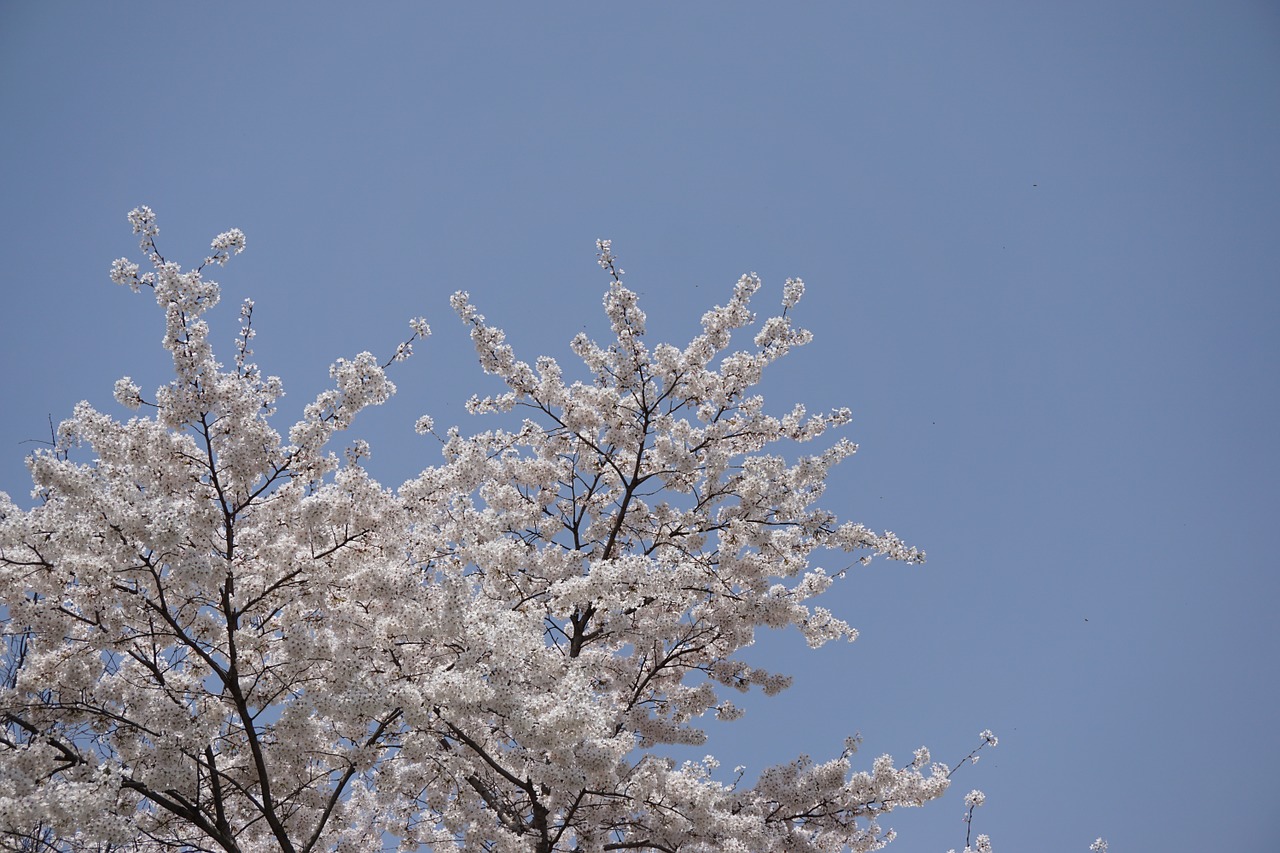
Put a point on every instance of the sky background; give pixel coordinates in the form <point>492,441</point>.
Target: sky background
<point>1040,241</point>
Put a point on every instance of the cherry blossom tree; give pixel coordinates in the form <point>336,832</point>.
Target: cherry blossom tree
<point>222,638</point>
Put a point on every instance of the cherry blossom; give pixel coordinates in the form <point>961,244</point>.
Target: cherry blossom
<point>222,635</point>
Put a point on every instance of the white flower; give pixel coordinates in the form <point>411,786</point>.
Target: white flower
<point>226,244</point>
<point>127,393</point>
<point>125,273</point>
<point>143,222</point>
<point>791,292</point>
<point>604,253</point>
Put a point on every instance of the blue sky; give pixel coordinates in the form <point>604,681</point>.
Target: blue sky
<point>1040,245</point>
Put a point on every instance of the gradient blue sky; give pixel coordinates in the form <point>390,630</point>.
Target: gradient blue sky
<point>1041,247</point>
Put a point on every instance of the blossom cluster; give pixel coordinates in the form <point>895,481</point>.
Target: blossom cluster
<point>220,637</point>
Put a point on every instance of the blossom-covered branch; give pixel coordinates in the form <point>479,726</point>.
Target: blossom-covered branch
<point>220,638</point>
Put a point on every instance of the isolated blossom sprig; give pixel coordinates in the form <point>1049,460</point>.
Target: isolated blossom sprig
<point>607,260</point>
<point>225,245</point>
<point>973,800</point>
<point>981,844</point>
<point>988,739</point>
<point>421,331</point>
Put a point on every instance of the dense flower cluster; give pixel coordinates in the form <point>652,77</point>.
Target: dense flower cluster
<point>220,638</point>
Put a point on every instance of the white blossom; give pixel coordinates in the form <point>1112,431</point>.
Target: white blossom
<point>791,292</point>
<point>220,638</point>
<point>226,244</point>
<point>604,253</point>
<point>144,222</point>
<point>125,273</point>
<point>127,393</point>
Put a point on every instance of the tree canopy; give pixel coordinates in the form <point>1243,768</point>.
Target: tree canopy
<point>219,637</point>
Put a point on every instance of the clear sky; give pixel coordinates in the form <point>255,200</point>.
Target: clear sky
<point>1042,249</point>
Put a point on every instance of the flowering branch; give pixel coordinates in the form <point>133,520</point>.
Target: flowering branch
<point>222,637</point>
